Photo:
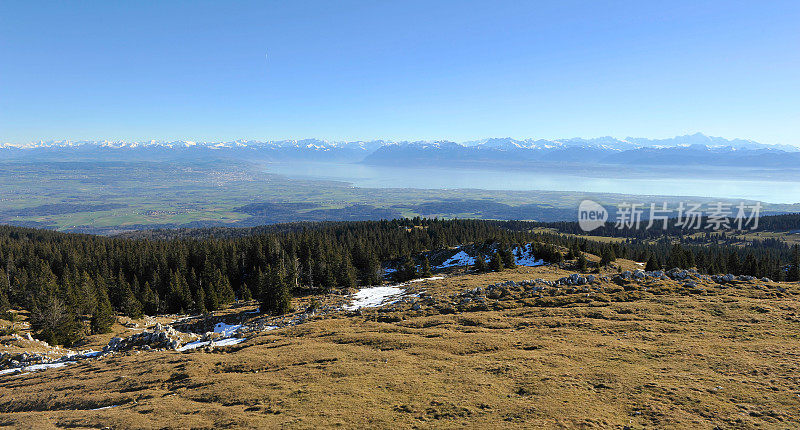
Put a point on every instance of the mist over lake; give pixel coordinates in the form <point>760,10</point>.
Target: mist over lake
<point>748,185</point>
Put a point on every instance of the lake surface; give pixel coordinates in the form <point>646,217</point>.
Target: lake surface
<point>642,183</point>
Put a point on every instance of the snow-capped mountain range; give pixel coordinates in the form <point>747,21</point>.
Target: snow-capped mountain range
<point>697,149</point>
<point>505,143</point>
<point>311,144</point>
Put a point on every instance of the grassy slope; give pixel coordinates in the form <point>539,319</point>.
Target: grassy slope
<point>724,358</point>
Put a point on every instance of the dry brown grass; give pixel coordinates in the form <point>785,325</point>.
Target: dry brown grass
<point>728,358</point>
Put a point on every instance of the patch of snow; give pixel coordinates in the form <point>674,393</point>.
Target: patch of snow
<point>36,367</point>
<point>460,258</point>
<point>193,345</point>
<point>374,296</point>
<point>524,257</point>
<point>226,330</point>
<point>432,278</point>
<point>229,341</point>
<point>85,354</point>
<point>104,407</point>
<point>43,366</point>
<point>221,342</point>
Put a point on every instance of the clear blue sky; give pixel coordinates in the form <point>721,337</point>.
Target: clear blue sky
<point>398,70</point>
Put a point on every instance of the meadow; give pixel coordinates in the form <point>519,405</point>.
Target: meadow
<point>652,354</point>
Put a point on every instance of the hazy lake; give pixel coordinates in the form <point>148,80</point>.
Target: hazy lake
<point>648,183</point>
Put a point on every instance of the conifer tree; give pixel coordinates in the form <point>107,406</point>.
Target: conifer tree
<point>276,297</point>
<point>180,298</point>
<point>223,287</point>
<point>570,253</point>
<point>733,263</point>
<point>581,263</point>
<point>509,262</point>
<point>244,293</point>
<point>407,270</point>
<point>426,268</point>
<point>750,265</point>
<point>212,300</point>
<point>103,316</point>
<point>54,323</point>
<point>149,300</point>
<point>700,261</point>
<point>689,260</point>
<point>346,275</point>
<point>554,255</point>
<point>5,287</point>
<point>677,258</point>
<point>88,300</point>
<point>607,256</point>
<point>480,264</point>
<point>652,264</point>
<point>194,282</point>
<point>130,305</point>
<point>199,301</point>
<point>319,275</point>
<point>794,269</point>
<point>372,271</point>
<point>496,263</point>
<point>329,281</point>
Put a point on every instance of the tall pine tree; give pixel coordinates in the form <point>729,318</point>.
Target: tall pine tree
<point>103,316</point>
<point>794,269</point>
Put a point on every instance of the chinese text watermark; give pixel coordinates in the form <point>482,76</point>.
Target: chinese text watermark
<point>714,216</point>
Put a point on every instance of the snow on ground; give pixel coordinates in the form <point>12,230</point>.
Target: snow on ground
<point>193,345</point>
<point>432,278</point>
<point>36,367</point>
<point>221,342</point>
<point>523,257</point>
<point>374,296</point>
<point>461,258</point>
<point>226,330</point>
<point>104,407</point>
<point>229,341</point>
<point>85,354</point>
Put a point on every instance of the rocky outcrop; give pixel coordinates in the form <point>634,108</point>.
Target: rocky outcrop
<point>161,337</point>
<point>689,280</point>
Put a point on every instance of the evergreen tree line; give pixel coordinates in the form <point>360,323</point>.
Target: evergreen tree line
<point>778,263</point>
<point>771,223</point>
<point>66,280</point>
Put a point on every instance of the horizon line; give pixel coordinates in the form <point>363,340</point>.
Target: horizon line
<point>76,142</point>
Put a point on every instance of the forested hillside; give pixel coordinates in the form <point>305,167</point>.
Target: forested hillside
<point>62,278</point>
<point>71,281</point>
